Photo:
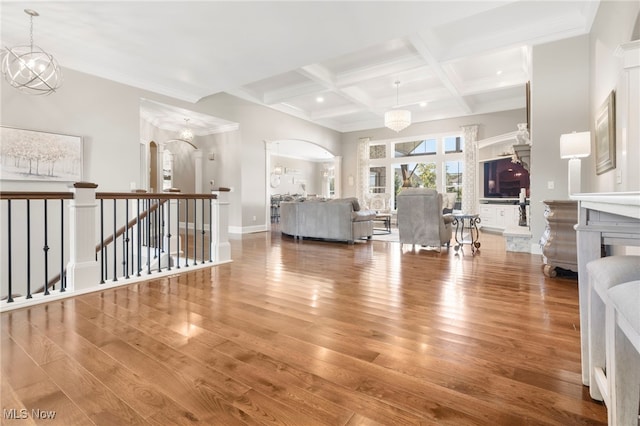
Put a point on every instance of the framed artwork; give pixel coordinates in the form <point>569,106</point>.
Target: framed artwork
<point>30,155</point>
<point>606,135</point>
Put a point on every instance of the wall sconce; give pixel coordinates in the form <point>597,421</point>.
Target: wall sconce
<point>212,156</point>
<point>575,146</point>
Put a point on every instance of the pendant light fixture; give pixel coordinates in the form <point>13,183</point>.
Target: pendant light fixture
<point>186,134</point>
<point>29,68</point>
<point>397,119</point>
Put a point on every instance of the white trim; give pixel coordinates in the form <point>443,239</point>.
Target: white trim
<point>54,295</point>
<point>247,229</point>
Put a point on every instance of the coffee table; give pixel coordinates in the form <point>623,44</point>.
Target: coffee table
<point>385,218</point>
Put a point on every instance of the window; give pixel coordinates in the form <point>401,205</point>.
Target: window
<point>453,177</point>
<point>435,162</point>
<point>411,149</point>
<point>377,151</point>
<point>377,179</point>
<point>421,175</point>
<point>453,144</point>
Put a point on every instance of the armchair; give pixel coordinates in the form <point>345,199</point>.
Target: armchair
<point>420,218</point>
<point>379,202</point>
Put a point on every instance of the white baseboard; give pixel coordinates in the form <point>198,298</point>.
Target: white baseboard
<point>535,248</point>
<point>247,229</point>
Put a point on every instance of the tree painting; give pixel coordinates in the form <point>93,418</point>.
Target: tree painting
<point>30,155</point>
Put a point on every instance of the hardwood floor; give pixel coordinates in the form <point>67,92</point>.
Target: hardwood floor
<point>310,333</point>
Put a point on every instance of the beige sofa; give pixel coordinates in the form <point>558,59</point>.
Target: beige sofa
<point>339,220</point>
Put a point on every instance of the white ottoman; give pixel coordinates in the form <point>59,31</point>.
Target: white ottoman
<point>623,353</point>
<point>604,273</point>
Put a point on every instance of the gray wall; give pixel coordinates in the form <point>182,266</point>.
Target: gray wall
<point>559,104</point>
<point>614,25</point>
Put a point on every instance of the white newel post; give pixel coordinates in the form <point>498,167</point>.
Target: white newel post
<point>83,270</point>
<point>220,247</point>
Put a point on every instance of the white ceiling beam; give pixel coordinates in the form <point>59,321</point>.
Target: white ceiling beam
<point>379,70</point>
<point>335,112</point>
<point>323,76</point>
<point>289,92</point>
<point>420,45</point>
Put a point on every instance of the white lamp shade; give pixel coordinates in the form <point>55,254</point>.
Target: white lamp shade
<point>397,119</point>
<point>575,145</point>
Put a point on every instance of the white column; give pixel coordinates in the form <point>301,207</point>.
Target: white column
<point>362,188</point>
<point>337,175</point>
<point>197,167</point>
<point>83,270</point>
<point>220,247</point>
<point>469,177</point>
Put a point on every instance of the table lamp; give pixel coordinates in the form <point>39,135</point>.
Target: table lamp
<point>575,146</point>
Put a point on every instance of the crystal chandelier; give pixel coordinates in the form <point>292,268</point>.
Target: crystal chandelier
<point>186,134</point>
<point>29,68</point>
<point>397,119</point>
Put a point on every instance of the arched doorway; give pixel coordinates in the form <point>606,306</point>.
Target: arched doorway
<point>299,168</point>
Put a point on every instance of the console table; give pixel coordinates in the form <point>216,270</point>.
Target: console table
<point>559,238</point>
<point>604,218</point>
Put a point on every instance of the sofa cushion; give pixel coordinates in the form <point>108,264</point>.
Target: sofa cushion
<point>363,215</point>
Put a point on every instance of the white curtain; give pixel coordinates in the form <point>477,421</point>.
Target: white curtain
<point>362,188</point>
<point>469,185</point>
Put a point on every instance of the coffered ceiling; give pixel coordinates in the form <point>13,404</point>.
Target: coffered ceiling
<point>332,63</point>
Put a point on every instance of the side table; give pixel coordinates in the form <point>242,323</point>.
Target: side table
<point>385,218</point>
<point>470,222</point>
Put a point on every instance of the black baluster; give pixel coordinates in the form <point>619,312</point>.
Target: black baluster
<point>28,249</point>
<point>186,233</point>
<point>46,251</point>
<point>195,230</point>
<point>159,234</point>
<point>178,230</point>
<point>63,284</point>
<point>139,231</point>
<point>202,230</point>
<point>115,246</point>
<point>148,237</point>
<point>125,241</point>
<point>102,253</point>
<point>169,233</point>
<point>210,229</point>
<point>9,275</point>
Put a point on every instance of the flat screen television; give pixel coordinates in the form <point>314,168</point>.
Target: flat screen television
<point>504,179</point>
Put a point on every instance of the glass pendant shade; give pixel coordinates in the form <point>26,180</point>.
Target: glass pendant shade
<point>186,134</point>
<point>31,69</point>
<point>397,119</point>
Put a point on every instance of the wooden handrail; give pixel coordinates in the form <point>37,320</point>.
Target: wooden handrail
<point>21,195</point>
<point>153,196</point>
<point>163,197</point>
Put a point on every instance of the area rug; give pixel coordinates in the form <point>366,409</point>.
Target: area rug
<point>393,237</point>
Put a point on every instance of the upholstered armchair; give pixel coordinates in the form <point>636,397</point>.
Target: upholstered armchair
<point>380,202</point>
<point>420,218</point>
